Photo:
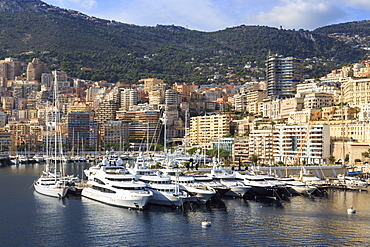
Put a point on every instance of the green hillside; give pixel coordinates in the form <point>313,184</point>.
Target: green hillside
<point>96,49</point>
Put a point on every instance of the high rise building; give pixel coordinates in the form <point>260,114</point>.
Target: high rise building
<point>114,132</point>
<point>128,98</point>
<point>9,69</point>
<point>283,75</point>
<point>79,128</point>
<point>172,97</point>
<point>150,83</point>
<point>35,70</point>
<point>204,129</point>
<point>142,123</point>
<point>106,111</point>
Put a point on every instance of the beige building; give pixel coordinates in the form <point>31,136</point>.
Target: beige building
<point>261,143</point>
<point>304,116</point>
<point>141,123</point>
<point>339,113</point>
<point>318,100</point>
<point>350,131</point>
<point>290,105</point>
<point>128,98</point>
<point>253,99</point>
<point>204,129</point>
<point>356,92</point>
<point>271,108</point>
<point>239,102</point>
<point>9,69</point>
<point>184,90</point>
<point>150,83</point>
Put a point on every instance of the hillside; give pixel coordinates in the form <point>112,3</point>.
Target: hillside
<point>91,48</point>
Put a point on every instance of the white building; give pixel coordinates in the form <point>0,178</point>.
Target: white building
<point>307,144</point>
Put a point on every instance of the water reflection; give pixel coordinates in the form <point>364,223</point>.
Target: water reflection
<point>31,219</point>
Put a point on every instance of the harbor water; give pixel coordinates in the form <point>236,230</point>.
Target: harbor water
<point>31,219</point>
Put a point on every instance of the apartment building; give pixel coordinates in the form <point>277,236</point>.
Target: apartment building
<point>307,144</point>
<point>79,127</point>
<point>106,111</point>
<point>261,144</point>
<point>240,102</point>
<point>204,129</point>
<point>339,113</point>
<point>128,98</point>
<point>150,83</point>
<point>142,122</point>
<point>253,99</point>
<point>356,92</point>
<point>283,75</point>
<point>350,131</point>
<point>114,133</point>
<point>318,100</point>
<point>172,97</point>
<point>10,68</point>
<point>289,105</point>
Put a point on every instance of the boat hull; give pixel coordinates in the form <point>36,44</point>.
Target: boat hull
<point>267,192</point>
<point>168,199</point>
<point>202,195</point>
<point>52,191</point>
<point>302,190</point>
<point>136,201</point>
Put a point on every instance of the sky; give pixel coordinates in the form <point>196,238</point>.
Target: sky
<point>214,15</point>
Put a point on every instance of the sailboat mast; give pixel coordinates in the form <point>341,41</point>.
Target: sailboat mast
<point>165,128</point>
<point>56,123</point>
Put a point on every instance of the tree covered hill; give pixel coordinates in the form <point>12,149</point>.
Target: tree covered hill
<point>97,49</point>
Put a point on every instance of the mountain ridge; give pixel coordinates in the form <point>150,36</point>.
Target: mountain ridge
<point>70,40</point>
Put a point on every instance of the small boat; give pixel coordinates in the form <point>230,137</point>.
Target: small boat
<point>206,223</point>
<point>351,210</point>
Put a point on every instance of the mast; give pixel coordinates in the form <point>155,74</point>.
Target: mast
<point>55,126</point>
<point>186,130</point>
<point>165,128</point>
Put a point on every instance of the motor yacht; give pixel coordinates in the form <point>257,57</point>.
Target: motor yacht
<point>39,158</point>
<point>237,188</point>
<point>115,186</point>
<point>165,192</point>
<point>298,187</point>
<point>259,186</point>
<point>202,193</point>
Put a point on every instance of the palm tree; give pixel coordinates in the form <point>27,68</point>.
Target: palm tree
<point>254,158</point>
<point>331,159</point>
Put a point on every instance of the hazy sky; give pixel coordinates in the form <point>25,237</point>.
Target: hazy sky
<point>213,15</point>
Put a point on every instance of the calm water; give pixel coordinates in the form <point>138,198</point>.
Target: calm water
<point>30,219</point>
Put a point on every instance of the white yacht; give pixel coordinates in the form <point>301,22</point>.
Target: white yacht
<point>259,186</point>
<point>115,186</point>
<point>51,184</point>
<point>164,192</point>
<point>352,182</point>
<point>23,159</point>
<point>202,193</point>
<point>207,181</point>
<point>38,158</point>
<point>298,187</point>
<point>237,188</point>
<point>108,160</point>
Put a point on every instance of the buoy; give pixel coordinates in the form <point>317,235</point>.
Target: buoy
<point>351,210</point>
<point>206,223</point>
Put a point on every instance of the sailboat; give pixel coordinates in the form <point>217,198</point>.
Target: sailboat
<point>52,183</point>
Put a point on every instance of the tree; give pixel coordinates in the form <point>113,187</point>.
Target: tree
<point>254,158</point>
<point>331,159</point>
<point>192,150</point>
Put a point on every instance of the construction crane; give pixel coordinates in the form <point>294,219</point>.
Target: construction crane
<point>302,143</point>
